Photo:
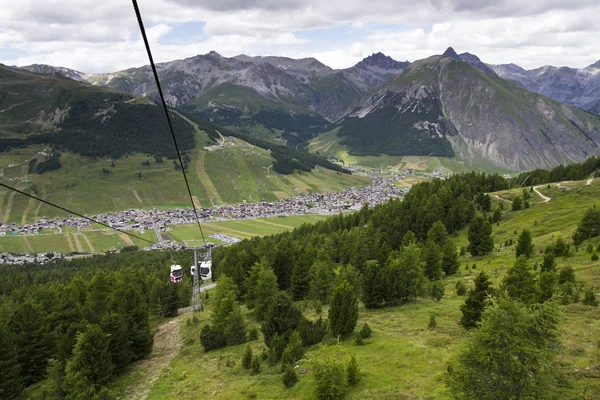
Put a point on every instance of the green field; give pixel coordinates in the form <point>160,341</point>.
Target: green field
<point>243,229</point>
<point>328,145</point>
<point>404,359</point>
<point>94,241</point>
<point>80,242</point>
<point>227,175</point>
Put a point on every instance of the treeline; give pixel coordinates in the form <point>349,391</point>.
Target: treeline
<point>97,127</point>
<point>287,159</point>
<point>571,172</point>
<point>306,257</point>
<point>73,326</point>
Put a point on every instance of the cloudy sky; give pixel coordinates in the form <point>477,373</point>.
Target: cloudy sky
<point>103,36</point>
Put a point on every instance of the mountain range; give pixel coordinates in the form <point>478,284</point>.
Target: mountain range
<point>448,105</point>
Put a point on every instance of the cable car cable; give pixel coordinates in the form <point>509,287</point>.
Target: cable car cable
<point>164,103</point>
<point>76,213</point>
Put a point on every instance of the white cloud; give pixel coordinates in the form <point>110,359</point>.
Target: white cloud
<point>101,36</point>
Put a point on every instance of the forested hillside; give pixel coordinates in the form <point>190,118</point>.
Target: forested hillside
<point>71,327</point>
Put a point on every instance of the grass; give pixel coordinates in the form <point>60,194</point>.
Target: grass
<point>229,175</point>
<point>404,359</point>
<point>242,229</point>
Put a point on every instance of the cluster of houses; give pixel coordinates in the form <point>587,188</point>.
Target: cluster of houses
<point>381,189</point>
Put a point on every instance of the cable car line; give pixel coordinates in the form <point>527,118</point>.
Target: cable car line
<point>75,213</point>
<point>164,103</point>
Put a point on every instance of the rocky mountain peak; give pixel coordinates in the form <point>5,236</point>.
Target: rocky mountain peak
<point>595,65</point>
<point>451,53</point>
<point>382,61</point>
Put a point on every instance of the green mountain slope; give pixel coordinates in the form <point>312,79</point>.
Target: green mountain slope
<point>89,120</point>
<point>443,106</point>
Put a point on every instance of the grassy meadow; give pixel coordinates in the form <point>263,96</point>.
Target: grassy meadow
<point>231,174</point>
<point>404,359</point>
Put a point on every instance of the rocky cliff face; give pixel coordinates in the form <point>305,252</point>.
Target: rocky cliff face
<point>576,87</point>
<point>49,69</point>
<point>480,115</point>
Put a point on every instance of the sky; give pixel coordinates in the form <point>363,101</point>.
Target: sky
<point>103,36</point>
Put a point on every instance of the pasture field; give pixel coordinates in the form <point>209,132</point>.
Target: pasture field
<point>228,174</point>
<point>94,241</point>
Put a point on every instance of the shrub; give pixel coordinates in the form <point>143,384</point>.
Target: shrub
<point>331,379</point>
<point>312,332</point>
<point>289,377</point>
<point>589,298</point>
<point>359,340</point>
<point>595,257</point>
<point>212,338</point>
<point>366,331</point>
<point>294,350</point>
<point>437,290</point>
<point>432,322</point>
<point>247,357</point>
<point>461,288</point>
<point>255,365</point>
<point>353,371</point>
<point>589,248</point>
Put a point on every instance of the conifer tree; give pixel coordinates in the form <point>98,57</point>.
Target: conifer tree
<point>517,203</point>
<point>438,234</point>
<point>172,301</point>
<point>450,261</point>
<point>322,281</point>
<point>548,265</point>
<point>480,236</point>
<point>31,336</point>
<point>475,301</point>
<point>129,302</point>
<point>281,318</point>
<point>91,366</point>
<point>115,326</point>
<point>524,244</point>
<point>519,282</point>
<point>10,371</point>
<point>343,312</point>
<point>432,256</point>
<point>511,356</point>
<point>373,285</point>
<point>588,227</point>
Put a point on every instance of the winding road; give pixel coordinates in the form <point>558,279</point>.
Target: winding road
<point>544,197</point>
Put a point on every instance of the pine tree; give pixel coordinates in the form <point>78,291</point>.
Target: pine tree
<point>475,301</point>
<point>497,216</point>
<point>322,280</point>
<point>547,285</point>
<point>524,244</point>
<point>129,302</point>
<point>588,227</point>
<point>343,312</point>
<point>282,318</point>
<point>548,265</point>
<point>266,290</point>
<point>96,303</point>
<point>511,356</point>
<point>438,234</point>
<point>432,256</point>
<point>519,282</point>
<point>91,366</point>
<point>235,327</point>
<point>517,203</point>
<point>480,236</point>
<point>115,326</point>
<point>486,204</point>
<point>410,273</point>
<point>225,301</point>
<point>171,306</point>
<point>409,238</point>
<point>450,261</point>
<point>31,336</point>
<point>373,285</point>
<point>10,371</point>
